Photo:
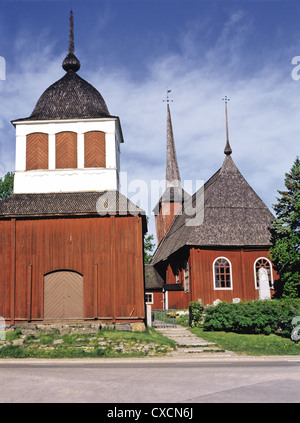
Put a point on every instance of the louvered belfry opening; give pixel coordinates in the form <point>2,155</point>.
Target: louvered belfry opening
<point>63,296</point>
<point>36,151</point>
<point>94,149</point>
<point>66,150</point>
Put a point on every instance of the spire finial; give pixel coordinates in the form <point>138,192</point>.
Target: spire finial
<point>167,99</point>
<point>227,149</point>
<point>71,38</point>
<point>71,62</point>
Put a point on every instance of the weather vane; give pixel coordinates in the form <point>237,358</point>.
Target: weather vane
<point>168,100</point>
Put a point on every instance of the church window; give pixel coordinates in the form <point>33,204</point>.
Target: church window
<point>265,263</point>
<point>186,274</point>
<point>149,298</point>
<point>66,150</point>
<point>222,273</point>
<point>36,151</point>
<point>94,149</point>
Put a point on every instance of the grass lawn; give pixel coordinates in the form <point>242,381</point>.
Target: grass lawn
<point>250,344</point>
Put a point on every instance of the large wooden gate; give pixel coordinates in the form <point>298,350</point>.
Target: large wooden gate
<point>63,296</point>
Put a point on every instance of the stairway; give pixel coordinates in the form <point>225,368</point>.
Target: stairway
<point>187,342</point>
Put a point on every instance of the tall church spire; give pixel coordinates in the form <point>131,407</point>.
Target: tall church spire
<point>227,149</point>
<point>172,199</point>
<point>71,62</point>
<point>172,171</point>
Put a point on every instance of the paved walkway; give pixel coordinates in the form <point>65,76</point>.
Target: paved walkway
<point>188,343</point>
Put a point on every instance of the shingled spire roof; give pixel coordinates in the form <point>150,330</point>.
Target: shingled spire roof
<point>173,192</point>
<point>71,97</point>
<point>172,172</point>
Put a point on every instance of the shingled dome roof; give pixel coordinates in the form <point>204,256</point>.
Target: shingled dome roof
<point>71,97</point>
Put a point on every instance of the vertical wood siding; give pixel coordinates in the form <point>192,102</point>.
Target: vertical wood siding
<point>36,151</point>
<point>94,149</point>
<point>6,264</point>
<point>202,277</point>
<point>158,300</point>
<point>66,150</point>
<point>165,217</point>
<point>107,251</point>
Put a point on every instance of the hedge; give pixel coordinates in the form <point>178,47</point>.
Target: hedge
<point>253,317</point>
<point>196,309</point>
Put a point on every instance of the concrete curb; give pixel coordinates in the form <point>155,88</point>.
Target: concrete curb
<point>211,357</point>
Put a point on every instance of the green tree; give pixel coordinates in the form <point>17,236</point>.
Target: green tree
<point>285,252</point>
<point>6,185</point>
<point>148,246</point>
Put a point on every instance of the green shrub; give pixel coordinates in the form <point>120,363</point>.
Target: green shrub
<point>196,309</point>
<point>253,317</point>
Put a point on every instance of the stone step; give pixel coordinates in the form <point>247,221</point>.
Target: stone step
<point>200,350</point>
<point>195,344</point>
<point>184,338</point>
<point>188,343</point>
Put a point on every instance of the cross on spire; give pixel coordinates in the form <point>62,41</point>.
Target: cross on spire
<point>227,149</point>
<point>167,99</point>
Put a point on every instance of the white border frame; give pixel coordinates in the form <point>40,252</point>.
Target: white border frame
<point>214,275</point>
<point>186,269</point>
<point>271,268</point>
<point>149,302</point>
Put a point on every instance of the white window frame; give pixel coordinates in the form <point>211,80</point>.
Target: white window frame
<point>177,275</point>
<point>186,277</point>
<point>214,275</point>
<point>271,272</point>
<point>151,301</point>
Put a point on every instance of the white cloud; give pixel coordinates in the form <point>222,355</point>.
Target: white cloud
<point>264,125</point>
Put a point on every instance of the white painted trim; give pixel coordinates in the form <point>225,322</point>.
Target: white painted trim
<point>59,180</point>
<point>65,180</point>
<point>271,272</point>
<point>186,270</point>
<point>166,300</point>
<point>20,161</point>
<point>33,122</point>
<point>149,293</point>
<point>80,151</point>
<point>214,275</point>
<point>52,152</point>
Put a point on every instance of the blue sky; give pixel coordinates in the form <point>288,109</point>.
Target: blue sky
<point>132,51</point>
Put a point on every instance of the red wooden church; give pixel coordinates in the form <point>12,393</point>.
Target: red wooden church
<point>71,244</point>
<point>212,244</point>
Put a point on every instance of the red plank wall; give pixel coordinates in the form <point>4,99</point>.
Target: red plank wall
<point>202,282</point>
<point>107,251</point>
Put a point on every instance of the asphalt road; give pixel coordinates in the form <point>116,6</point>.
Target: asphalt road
<point>142,381</point>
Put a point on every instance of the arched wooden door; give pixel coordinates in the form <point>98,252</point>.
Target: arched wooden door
<point>63,296</point>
